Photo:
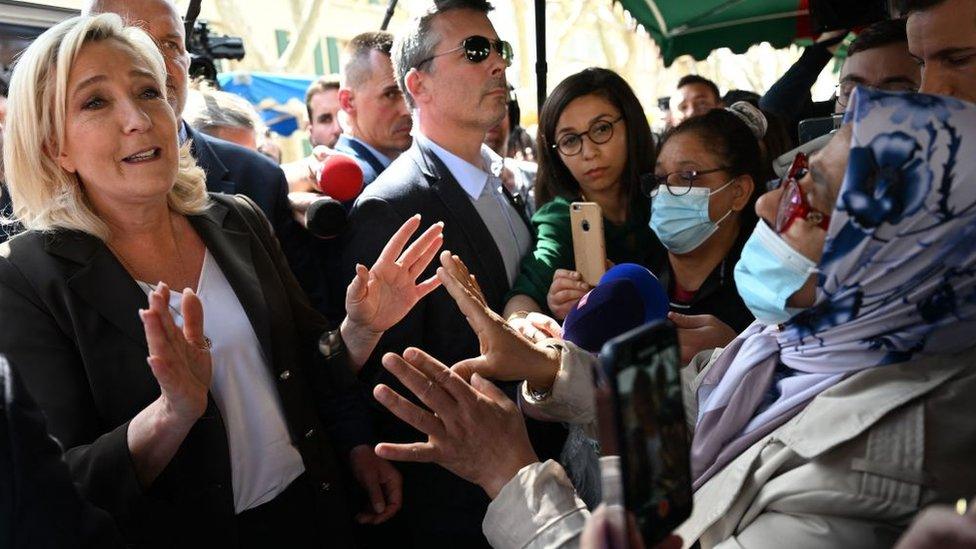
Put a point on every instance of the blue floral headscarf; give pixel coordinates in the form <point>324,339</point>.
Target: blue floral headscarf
<point>897,277</point>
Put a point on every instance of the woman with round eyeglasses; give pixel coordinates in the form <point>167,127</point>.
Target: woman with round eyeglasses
<point>594,143</point>
<point>828,425</point>
<point>702,195</point>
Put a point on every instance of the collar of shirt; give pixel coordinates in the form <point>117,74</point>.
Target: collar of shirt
<point>385,160</point>
<point>471,178</point>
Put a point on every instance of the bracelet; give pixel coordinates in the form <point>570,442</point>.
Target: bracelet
<point>517,315</point>
<point>537,394</point>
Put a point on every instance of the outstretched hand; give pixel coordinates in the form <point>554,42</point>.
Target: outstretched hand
<point>379,297</point>
<point>179,359</point>
<point>465,425</point>
<point>505,353</point>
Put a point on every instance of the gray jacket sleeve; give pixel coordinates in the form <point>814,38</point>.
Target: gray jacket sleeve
<point>536,509</point>
<point>571,397</point>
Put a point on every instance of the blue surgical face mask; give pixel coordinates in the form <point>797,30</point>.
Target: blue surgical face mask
<point>769,271</point>
<point>681,223</point>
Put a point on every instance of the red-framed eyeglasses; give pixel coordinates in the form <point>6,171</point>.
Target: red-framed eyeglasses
<point>793,203</point>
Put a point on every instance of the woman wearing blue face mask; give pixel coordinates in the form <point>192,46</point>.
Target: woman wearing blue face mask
<point>831,429</point>
<point>594,144</point>
<point>859,370</point>
<point>702,196</point>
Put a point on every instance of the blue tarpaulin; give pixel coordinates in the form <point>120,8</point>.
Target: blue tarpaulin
<point>280,99</point>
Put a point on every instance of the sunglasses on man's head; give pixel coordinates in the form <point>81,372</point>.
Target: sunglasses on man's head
<point>477,49</point>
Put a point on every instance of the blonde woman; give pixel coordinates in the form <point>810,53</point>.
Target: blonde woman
<point>231,434</point>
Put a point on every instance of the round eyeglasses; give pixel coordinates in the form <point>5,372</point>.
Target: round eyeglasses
<point>600,132</point>
<point>676,183</point>
<point>477,48</point>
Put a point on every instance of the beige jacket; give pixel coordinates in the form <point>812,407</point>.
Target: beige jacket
<point>850,470</point>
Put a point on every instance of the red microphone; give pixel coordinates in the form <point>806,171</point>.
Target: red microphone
<point>341,178</point>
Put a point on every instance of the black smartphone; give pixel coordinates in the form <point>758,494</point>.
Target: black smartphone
<point>642,366</point>
<point>812,128</point>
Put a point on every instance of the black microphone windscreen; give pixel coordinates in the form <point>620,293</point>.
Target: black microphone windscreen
<point>325,218</point>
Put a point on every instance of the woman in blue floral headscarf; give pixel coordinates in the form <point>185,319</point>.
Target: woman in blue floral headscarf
<point>865,291</point>
<point>831,421</point>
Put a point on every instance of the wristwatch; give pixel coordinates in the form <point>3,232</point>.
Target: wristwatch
<point>539,395</point>
<point>331,344</point>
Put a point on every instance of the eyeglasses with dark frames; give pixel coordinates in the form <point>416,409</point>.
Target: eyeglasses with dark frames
<point>676,183</point>
<point>600,132</point>
<point>476,49</point>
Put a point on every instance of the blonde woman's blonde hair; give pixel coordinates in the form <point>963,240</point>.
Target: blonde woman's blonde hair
<point>45,197</point>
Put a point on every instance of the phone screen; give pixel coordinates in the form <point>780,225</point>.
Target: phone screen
<point>652,433</point>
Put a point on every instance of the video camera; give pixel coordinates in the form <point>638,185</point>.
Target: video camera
<point>205,47</point>
<point>831,15</point>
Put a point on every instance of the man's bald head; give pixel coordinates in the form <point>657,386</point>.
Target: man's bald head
<point>162,21</point>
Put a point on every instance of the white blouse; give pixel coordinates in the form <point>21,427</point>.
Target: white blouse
<point>263,460</point>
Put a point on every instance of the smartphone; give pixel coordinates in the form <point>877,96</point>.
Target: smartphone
<point>812,128</point>
<point>588,244</point>
<point>642,366</point>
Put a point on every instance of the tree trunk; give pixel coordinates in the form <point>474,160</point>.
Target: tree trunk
<point>302,40</point>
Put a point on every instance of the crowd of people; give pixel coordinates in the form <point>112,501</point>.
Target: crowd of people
<point>183,364</point>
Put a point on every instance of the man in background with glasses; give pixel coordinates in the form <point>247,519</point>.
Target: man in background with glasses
<point>450,65</point>
<point>877,58</point>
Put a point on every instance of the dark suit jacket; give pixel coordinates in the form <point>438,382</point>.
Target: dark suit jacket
<point>39,505</point>
<point>71,326</point>
<point>232,169</point>
<point>790,96</point>
<point>440,508</point>
<point>371,166</point>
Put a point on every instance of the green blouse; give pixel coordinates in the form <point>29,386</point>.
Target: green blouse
<point>632,242</point>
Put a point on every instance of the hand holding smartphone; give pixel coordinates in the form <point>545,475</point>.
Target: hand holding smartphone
<point>642,367</point>
<point>588,243</point>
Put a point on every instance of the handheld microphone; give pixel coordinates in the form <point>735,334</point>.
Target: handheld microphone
<point>652,293</point>
<point>325,218</point>
<point>626,297</point>
<point>341,178</point>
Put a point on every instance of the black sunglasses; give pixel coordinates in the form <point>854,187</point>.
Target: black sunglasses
<point>477,49</point>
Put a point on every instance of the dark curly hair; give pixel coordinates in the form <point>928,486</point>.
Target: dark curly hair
<point>732,141</point>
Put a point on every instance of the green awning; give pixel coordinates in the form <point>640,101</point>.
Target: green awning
<point>696,27</point>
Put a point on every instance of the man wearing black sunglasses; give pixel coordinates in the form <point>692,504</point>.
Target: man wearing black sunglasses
<point>450,65</point>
